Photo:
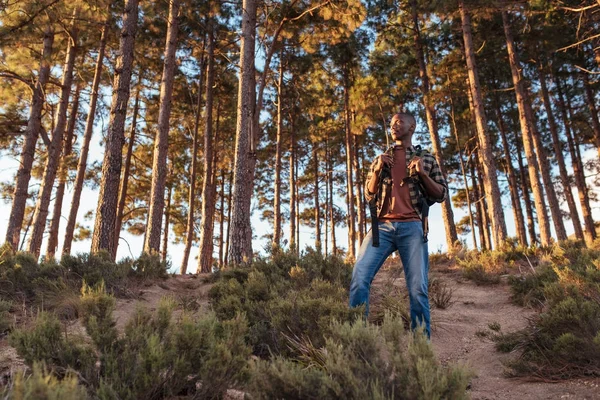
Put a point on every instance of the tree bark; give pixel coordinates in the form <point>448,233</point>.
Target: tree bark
<point>292,181</point>
<point>591,102</point>
<point>464,173</point>
<point>478,206</point>
<point>316,200</point>
<point>241,231</point>
<point>526,193</point>
<point>229,201</point>
<point>278,146</point>
<point>589,232</point>
<point>165,241</point>
<point>56,144</point>
<point>104,226</point>
<point>558,151</point>
<point>528,136</point>
<point>63,174</point>
<point>490,176</point>
<point>222,220</point>
<point>205,258</point>
<point>161,141</point>
<point>559,225</point>
<point>447,213</point>
<point>512,180</point>
<point>189,230</point>
<point>87,137</point>
<point>330,200</point>
<point>349,180</point>
<point>126,170</point>
<point>360,204</point>
<point>32,132</point>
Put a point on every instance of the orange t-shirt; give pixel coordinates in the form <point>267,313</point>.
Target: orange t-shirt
<point>398,206</point>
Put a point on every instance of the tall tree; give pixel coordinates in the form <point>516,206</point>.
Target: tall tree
<point>32,133</point>
<point>278,149</point>
<point>161,141</point>
<point>490,177</point>
<point>87,136</point>
<point>240,249</point>
<point>205,257</point>
<point>56,144</point>
<point>447,214</point>
<point>104,225</point>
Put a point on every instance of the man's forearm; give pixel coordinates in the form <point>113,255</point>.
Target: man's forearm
<point>433,189</point>
<point>372,184</point>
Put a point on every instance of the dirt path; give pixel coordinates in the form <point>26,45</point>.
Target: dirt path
<point>455,341</point>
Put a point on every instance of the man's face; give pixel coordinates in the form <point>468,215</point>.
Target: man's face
<point>402,127</point>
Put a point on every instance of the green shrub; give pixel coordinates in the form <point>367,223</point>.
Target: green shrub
<point>359,361</point>
<point>150,266</point>
<point>43,385</point>
<point>46,341</point>
<point>6,320</point>
<point>285,295</point>
<point>560,342</point>
<point>96,268</point>
<point>483,268</point>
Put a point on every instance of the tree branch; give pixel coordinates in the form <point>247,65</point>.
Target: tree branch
<point>12,29</point>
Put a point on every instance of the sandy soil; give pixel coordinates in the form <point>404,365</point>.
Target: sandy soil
<point>453,332</point>
<point>455,341</point>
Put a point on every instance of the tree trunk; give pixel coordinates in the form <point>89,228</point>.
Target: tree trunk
<point>229,201</point>
<point>525,192</point>
<point>240,249</point>
<point>189,230</point>
<point>464,173</point>
<point>278,146</point>
<point>512,180</point>
<point>87,137</point>
<point>296,174</point>
<point>490,178</point>
<point>360,204</point>
<point>349,182</point>
<point>161,141</point>
<point>63,174</point>
<point>326,213</point>
<point>292,190</point>
<point>32,132</point>
<point>126,171</point>
<point>559,225</point>
<point>56,144</point>
<point>558,152</point>
<point>165,237</point>
<point>528,137</point>
<point>104,226</point>
<point>222,220</point>
<point>447,213</point>
<point>330,202</point>
<point>478,205</point>
<point>317,204</point>
<point>591,102</point>
<point>589,232</point>
<point>485,216</point>
<point>205,257</point>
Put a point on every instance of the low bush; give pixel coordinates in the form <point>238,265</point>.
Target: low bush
<point>285,295</point>
<point>484,268</point>
<point>6,320</point>
<point>42,384</point>
<point>359,361</point>
<point>563,340</point>
<point>155,357</point>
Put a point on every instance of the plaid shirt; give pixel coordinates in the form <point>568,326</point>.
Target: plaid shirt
<point>416,196</point>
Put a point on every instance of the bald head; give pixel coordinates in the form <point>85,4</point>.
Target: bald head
<point>403,126</point>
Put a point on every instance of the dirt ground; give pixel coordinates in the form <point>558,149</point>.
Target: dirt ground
<point>455,341</point>
<point>453,332</point>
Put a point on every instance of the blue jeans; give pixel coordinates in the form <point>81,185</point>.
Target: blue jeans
<point>407,238</point>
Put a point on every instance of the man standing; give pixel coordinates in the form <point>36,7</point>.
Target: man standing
<point>403,182</point>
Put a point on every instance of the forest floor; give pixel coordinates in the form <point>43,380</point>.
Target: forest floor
<point>454,331</point>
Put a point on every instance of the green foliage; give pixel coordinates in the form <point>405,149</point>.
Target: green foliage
<point>42,384</point>
<point>562,341</point>
<point>359,361</point>
<point>5,317</point>
<point>150,266</point>
<point>285,295</point>
<point>47,341</point>
<point>484,268</point>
